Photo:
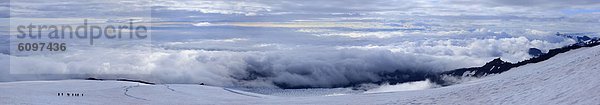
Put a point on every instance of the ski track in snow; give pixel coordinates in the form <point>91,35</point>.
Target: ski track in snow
<point>167,86</point>
<point>128,95</point>
<point>240,93</point>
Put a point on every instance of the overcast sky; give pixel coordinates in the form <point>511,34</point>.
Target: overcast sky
<point>313,8</point>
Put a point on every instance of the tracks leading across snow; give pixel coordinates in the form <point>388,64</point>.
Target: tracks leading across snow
<point>241,93</point>
<point>128,95</point>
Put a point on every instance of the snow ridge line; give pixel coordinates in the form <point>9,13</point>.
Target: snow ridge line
<point>121,79</point>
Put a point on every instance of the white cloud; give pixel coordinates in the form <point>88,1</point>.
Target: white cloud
<point>409,86</point>
<point>203,24</point>
<point>219,7</point>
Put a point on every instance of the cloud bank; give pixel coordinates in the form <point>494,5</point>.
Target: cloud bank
<point>302,44</point>
<point>253,62</point>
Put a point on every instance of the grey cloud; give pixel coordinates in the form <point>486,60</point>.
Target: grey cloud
<point>79,9</point>
<point>4,9</point>
<point>545,3</point>
<point>295,8</point>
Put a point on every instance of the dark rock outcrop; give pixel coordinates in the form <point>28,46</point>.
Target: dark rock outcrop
<point>535,52</point>
<point>128,80</point>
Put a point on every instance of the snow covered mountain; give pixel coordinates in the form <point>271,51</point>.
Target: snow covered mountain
<point>565,79</point>
<point>498,66</point>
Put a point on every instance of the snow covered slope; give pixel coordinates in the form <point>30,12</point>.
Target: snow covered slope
<point>569,78</point>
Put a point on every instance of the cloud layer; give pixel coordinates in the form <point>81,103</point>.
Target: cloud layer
<point>310,44</point>
<point>268,60</point>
